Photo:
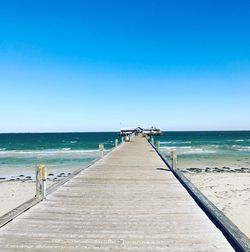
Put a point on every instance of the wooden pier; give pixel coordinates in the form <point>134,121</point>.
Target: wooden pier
<point>127,201</point>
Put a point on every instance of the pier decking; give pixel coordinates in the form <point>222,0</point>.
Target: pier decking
<point>127,201</point>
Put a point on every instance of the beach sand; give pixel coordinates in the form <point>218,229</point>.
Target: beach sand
<point>230,192</point>
<point>17,188</point>
<point>14,193</point>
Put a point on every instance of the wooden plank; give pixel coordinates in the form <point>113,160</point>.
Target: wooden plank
<point>127,201</point>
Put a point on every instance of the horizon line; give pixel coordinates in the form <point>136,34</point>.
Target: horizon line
<point>72,132</point>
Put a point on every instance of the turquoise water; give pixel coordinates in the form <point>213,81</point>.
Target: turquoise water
<point>208,149</point>
<point>20,153</point>
<point>64,152</point>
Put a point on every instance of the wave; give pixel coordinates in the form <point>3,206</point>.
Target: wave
<point>167,142</point>
<point>175,142</point>
<point>176,147</point>
<point>46,152</point>
<point>240,147</point>
<point>197,151</point>
<point>168,148</point>
<point>188,150</point>
<point>244,148</point>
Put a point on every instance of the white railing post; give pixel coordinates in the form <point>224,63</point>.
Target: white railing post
<point>158,144</point>
<point>101,150</point>
<point>41,177</point>
<point>174,159</point>
<point>38,182</point>
<point>44,175</point>
<point>116,142</point>
<point>152,140</point>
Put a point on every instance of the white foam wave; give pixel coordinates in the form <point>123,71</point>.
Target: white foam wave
<point>45,152</point>
<point>176,142</point>
<point>168,148</point>
<point>188,150</point>
<point>245,148</point>
<point>168,142</point>
<point>176,147</point>
<point>198,152</point>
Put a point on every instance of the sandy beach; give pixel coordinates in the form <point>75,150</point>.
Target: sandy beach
<point>14,193</point>
<point>230,192</point>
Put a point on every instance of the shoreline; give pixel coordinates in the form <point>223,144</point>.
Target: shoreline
<point>31,177</point>
<point>223,169</point>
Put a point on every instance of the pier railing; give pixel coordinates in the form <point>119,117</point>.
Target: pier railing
<point>238,240</point>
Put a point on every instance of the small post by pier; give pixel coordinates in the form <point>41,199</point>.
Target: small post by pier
<point>158,144</point>
<point>41,177</point>
<point>174,159</point>
<point>38,182</point>
<point>127,138</point>
<point>44,175</point>
<point>101,150</point>
<point>116,143</point>
<point>152,140</point>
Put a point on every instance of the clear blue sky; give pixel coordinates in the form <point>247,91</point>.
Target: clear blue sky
<point>100,65</point>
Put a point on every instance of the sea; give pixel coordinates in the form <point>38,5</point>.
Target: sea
<point>208,149</point>
<point>63,153</point>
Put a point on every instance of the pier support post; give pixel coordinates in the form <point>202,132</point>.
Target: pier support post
<point>101,150</point>
<point>38,182</point>
<point>41,177</point>
<point>174,159</point>
<point>127,138</point>
<point>44,175</point>
<point>158,143</point>
<point>152,140</point>
<point>116,142</point>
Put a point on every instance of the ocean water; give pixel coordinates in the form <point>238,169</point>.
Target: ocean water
<point>60,152</point>
<point>65,152</point>
<point>208,148</point>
